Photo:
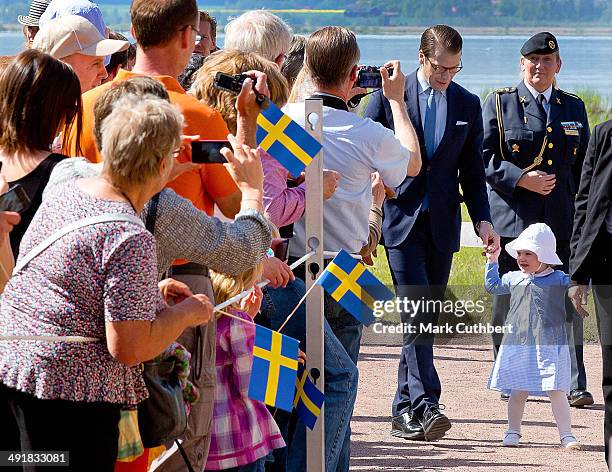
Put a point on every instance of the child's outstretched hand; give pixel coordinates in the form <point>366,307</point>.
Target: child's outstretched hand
<point>492,256</point>
<point>251,304</point>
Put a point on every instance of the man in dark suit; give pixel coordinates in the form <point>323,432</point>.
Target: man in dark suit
<point>422,225</point>
<point>591,252</point>
<point>535,138</point>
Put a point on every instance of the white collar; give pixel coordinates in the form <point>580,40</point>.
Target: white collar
<point>547,93</point>
<point>424,85</point>
<point>544,273</point>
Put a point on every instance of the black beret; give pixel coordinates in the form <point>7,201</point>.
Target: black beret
<point>541,43</point>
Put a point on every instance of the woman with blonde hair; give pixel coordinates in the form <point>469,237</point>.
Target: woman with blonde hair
<point>83,308</point>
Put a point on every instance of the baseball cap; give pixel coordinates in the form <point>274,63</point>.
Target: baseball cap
<point>74,34</point>
<point>84,8</point>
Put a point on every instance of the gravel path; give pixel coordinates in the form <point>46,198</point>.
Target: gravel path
<point>478,417</point>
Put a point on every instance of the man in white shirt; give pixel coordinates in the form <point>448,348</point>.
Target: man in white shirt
<point>355,148</point>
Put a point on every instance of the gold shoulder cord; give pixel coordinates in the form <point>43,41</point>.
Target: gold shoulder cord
<point>538,160</point>
<point>500,124</point>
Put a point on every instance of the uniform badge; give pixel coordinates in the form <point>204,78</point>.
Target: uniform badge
<point>523,99</point>
<point>558,101</point>
<point>515,148</point>
<point>551,44</point>
<point>570,128</point>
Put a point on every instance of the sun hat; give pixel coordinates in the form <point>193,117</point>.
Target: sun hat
<point>539,239</point>
<point>37,8</point>
<point>74,34</point>
<point>84,8</point>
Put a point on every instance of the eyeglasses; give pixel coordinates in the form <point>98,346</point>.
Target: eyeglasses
<point>441,69</point>
<point>197,32</point>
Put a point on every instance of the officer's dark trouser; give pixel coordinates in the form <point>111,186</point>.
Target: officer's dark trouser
<point>602,293</point>
<point>574,327</point>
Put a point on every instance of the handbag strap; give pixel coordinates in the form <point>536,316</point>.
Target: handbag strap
<point>94,220</point>
<point>152,213</point>
<point>184,455</point>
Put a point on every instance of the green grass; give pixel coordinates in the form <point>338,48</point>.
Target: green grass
<point>466,282</point>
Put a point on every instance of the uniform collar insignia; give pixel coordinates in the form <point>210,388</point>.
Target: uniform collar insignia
<point>558,101</point>
<point>523,99</point>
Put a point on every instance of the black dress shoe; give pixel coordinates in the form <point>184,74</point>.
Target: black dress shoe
<point>435,424</point>
<point>504,397</point>
<point>407,426</point>
<point>580,398</point>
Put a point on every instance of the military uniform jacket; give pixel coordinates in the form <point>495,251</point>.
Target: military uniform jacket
<point>518,139</point>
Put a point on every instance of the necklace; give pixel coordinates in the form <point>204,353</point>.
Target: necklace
<point>121,192</point>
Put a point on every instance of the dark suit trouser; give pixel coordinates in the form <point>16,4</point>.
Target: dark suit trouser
<point>418,270</point>
<point>602,294</point>
<point>574,326</point>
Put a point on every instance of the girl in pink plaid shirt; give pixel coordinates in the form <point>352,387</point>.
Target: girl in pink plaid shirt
<point>243,430</point>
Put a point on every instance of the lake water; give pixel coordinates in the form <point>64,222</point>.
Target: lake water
<point>489,61</point>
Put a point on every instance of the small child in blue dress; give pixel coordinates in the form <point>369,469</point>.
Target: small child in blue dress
<point>534,357</point>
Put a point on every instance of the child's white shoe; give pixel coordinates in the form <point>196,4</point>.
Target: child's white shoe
<point>570,442</point>
<point>511,439</point>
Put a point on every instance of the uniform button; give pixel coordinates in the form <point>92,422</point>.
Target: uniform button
<point>428,168</point>
<point>549,129</point>
<point>549,162</point>
<point>550,145</point>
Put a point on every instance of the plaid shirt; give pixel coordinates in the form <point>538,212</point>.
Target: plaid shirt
<point>243,430</point>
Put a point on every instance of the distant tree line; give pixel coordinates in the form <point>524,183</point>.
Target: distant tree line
<point>397,12</point>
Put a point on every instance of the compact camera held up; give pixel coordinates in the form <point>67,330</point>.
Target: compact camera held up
<point>369,77</point>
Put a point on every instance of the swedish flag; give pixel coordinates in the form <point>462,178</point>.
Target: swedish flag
<point>274,368</point>
<point>353,286</point>
<point>308,399</point>
<point>285,140</point>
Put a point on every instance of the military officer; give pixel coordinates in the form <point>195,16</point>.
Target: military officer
<point>535,139</point>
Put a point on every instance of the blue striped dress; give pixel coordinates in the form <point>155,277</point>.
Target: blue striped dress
<point>534,356</point>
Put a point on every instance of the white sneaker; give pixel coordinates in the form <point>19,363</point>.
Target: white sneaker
<point>511,439</point>
<point>570,442</point>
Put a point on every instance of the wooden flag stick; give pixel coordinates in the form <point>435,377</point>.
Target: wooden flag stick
<point>296,307</point>
<point>234,316</point>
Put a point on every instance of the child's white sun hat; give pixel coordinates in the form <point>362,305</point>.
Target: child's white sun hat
<point>539,239</point>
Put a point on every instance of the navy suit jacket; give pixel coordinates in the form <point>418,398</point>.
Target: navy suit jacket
<point>457,160</point>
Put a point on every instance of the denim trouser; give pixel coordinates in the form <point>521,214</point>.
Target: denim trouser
<point>341,378</point>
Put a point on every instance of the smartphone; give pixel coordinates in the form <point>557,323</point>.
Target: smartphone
<point>16,199</point>
<point>208,152</point>
<point>281,251</point>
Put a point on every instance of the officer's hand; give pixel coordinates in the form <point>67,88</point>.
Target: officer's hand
<point>393,87</point>
<point>538,182</point>
<point>578,296</point>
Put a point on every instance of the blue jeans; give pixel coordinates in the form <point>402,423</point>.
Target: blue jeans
<point>341,378</point>
<point>257,466</point>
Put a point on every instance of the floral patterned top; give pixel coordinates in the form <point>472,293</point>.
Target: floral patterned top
<point>93,275</point>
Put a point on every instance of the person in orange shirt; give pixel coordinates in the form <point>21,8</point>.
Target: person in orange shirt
<point>165,32</point>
